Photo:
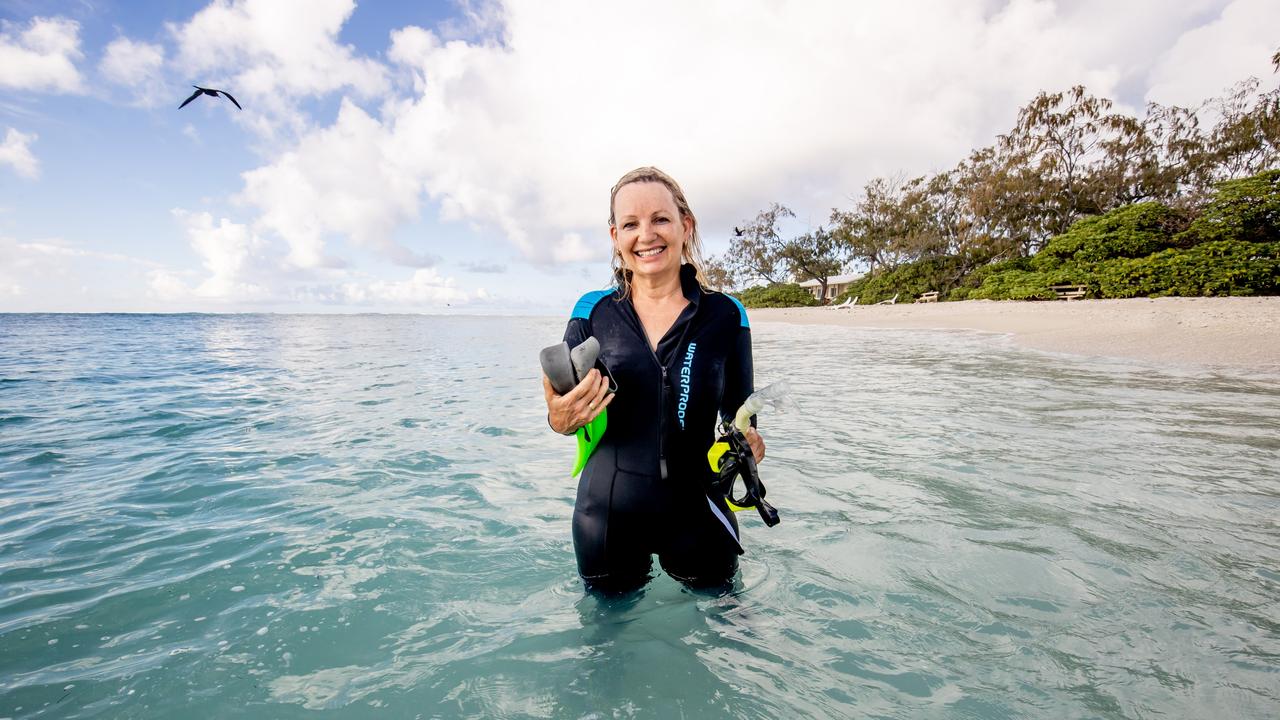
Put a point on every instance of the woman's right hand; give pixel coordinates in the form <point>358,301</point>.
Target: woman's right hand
<point>566,413</point>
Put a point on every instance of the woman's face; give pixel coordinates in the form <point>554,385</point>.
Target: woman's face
<point>649,233</point>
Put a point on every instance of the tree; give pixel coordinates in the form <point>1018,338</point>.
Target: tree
<point>815,255</point>
<point>1184,173</point>
<point>1246,139</point>
<point>1063,139</point>
<point>1244,210</point>
<point>870,232</point>
<point>717,272</point>
<point>1002,202</point>
<point>753,250</point>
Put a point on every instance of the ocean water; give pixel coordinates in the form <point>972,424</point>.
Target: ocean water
<point>329,516</point>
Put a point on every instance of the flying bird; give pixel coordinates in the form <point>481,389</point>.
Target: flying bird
<point>211,93</point>
<point>736,230</point>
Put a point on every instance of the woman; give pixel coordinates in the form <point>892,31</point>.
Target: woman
<point>679,356</point>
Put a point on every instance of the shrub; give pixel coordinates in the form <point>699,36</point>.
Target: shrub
<point>1127,232</point>
<point>1014,284</point>
<point>1246,210</point>
<point>908,281</point>
<point>1223,267</point>
<point>776,295</point>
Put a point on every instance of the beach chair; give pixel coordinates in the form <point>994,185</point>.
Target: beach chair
<point>891,301</point>
<point>847,302</point>
<point>851,303</point>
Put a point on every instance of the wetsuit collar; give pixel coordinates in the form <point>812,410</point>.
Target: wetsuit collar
<point>689,283</point>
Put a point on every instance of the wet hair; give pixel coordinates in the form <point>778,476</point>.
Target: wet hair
<point>692,252</point>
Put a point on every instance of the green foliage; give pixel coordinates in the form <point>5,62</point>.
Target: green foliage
<point>776,295</point>
<point>1014,285</point>
<point>1131,231</point>
<point>1246,210</point>
<point>907,281</point>
<point>1232,248</point>
<point>1222,267</point>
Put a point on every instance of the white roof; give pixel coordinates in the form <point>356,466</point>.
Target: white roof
<point>833,280</point>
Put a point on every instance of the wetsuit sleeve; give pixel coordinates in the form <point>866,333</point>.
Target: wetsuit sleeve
<point>577,331</point>
<point>738,380</point>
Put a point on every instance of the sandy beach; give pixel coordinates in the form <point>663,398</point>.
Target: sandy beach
<point>1234,331</point>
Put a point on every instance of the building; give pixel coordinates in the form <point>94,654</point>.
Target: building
<point>836,284</point>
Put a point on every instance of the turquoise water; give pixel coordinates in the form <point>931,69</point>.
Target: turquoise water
<point>300,516</point>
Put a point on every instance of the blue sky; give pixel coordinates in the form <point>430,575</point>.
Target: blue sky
<point>456,157</point>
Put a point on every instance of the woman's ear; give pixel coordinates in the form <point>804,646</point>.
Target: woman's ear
<point>617,253</point>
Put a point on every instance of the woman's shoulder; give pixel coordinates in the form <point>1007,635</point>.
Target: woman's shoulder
<point>588,302</point>
<point>728,306</point>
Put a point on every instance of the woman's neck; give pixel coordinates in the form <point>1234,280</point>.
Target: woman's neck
<point>657,291</point>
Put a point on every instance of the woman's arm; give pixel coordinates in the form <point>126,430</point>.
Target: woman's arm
<point>566,413</point>
<point>738,384</point>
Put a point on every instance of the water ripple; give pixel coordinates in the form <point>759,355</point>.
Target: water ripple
<point>277,515</point>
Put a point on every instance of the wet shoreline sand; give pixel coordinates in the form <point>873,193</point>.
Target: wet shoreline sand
<point>1242,332</point>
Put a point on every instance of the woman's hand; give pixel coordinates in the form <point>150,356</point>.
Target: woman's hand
<point>566,413</point>
<point>756,442</point>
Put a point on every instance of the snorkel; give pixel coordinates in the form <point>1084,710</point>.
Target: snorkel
<point>566,368</point>
<point>731,457</point>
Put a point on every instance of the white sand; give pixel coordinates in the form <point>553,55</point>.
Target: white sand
<point>1241,332</point>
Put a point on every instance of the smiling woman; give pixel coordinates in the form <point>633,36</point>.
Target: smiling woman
<point>649,192</point>
<point>678,355</point>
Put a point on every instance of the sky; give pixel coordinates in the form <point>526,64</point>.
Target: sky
<point>456,157</point>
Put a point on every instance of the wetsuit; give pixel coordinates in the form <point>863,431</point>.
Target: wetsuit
<point>643,491</point>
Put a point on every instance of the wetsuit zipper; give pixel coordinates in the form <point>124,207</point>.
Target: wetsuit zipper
<point>662,410</point>
<point>662,415</point>
<point>662,423</point>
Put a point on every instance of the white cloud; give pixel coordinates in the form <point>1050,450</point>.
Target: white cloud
<point>16,151</point>
<point>270,53</point>
<point>138,66</point>
<point>225,249</point>
<point>425,287</point>
<point>1206,60</point>
<point>47,275</point>
<point>795,102</point>
<point>166,286</point>
<point>348,179</point>
<point>41,57</point>
<point>240,270</point>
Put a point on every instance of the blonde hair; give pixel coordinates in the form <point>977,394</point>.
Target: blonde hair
<point>692,252</point>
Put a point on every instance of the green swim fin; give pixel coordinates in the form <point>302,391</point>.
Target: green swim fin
<point>588,438</point>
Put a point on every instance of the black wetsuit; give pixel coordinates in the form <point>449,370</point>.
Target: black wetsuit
<point>643,491</point>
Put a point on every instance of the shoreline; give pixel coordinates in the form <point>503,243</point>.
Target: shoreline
<point>1240,332</point>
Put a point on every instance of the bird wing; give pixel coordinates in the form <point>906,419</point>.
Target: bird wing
<point>194,95</point>
<point>233,100</point>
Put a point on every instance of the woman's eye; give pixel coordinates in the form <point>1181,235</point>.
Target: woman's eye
<point>628,225</point>
<point>660,220</point>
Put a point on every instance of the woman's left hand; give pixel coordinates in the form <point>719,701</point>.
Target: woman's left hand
<point>756,442</point>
